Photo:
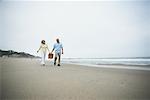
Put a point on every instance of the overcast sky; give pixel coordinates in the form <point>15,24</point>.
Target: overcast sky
<point>86,29</point>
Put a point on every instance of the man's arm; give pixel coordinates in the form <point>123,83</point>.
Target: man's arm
<point>62,50</point>
<point>52,50</point>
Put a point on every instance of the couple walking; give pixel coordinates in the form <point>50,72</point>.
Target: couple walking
<point>58,48</point>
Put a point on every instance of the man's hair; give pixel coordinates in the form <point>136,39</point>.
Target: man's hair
<point>57,40</point>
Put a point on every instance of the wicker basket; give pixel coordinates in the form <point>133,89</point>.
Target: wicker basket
<point>50,56</point>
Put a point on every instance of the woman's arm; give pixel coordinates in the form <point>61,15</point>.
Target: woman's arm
<point>39,49</point>
<point>47,48</point>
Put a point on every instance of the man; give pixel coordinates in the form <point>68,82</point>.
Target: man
<point>58,51</point>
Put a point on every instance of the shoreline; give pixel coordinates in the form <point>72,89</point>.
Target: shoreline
<point>76,62</point>
<point>115,66</point>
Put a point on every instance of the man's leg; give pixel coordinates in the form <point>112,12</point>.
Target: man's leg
<point>55,59</point>
<point>59,56</point>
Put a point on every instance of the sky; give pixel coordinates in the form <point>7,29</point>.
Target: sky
<point>87,29</point>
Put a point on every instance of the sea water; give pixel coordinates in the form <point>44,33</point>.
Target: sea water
<point>108,61</point>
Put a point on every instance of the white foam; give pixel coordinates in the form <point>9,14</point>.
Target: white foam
<point>115,67</point>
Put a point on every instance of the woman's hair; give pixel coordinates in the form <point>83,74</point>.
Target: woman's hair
<point>43,41</point>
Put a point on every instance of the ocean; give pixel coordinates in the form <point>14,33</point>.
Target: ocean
<point>109,61</point>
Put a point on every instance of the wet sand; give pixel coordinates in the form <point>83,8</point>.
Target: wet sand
<point>26,79</point>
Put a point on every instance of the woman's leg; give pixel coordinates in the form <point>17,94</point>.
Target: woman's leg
<point>43,58</point>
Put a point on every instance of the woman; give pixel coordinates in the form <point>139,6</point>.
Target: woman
<point>43,48</point>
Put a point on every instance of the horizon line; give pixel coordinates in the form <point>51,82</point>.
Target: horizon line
<point>85,57</point>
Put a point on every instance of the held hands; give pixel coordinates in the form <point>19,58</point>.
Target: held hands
<point>51,52</point>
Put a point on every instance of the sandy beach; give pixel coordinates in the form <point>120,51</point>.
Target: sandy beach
<point>26,79</point>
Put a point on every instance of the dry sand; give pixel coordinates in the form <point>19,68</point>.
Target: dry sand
<point>26,79</point>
